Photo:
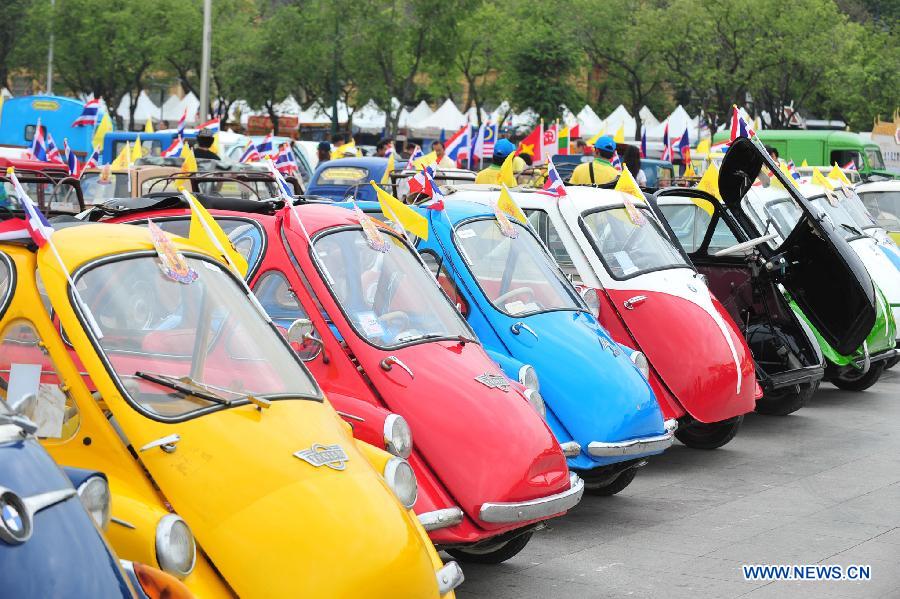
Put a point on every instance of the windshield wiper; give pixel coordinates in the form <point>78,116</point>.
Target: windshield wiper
<point>458,338</point>
<point>184,385</point>
<point>852,229</point>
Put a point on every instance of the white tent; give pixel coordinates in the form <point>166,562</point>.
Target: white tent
<point>172,109</point>
<point>591,124</point>
<point>369,118</point>
<point>144,110</point>
<point>678,121</point>
<point>568,118</point>
<point>288,107</point>
<point>446,118</point>
<point>648,121</point>
<point>320,114</point>
<point>617,118</point>
<point>502,112</point>
<point>526,119</point>
<point>471,115</point>
<point>418,114</point>
<point>240,107</point>
<point>191,103</point>
<point>5,93</point>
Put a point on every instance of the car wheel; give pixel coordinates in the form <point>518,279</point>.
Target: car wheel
<point>492,554</point>
<point>701,435</point>
<point>891,363</point>
<point>785,401</point>
<point>613,486</point>
<point>855,381</point>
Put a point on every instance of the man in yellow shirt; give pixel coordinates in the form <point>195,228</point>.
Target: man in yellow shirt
<point>600,170</point>
<point>491,174</point>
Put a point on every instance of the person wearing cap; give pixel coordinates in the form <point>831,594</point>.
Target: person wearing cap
<point>491,175</point>
<point>323,151</point>
<point>600,170</point>
<point>205,139</point>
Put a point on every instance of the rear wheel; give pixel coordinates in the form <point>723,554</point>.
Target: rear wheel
<point>891,363</point>
<point>492,554</point>
<point>611,486</point>
<point>701,435</point>
<point>782,402</point>
<point>856,381</point>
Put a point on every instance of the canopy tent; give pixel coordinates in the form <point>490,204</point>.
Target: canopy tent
<point>144,110</point>
<point>415,116</point>
<point>369,119</point>
<point>648,121</point>
<point>471,115</point>
<point>591,124</point>
<point>678,121</point>
<point>502,112</point>
<point>526,119</point>
<point>288,107</point>
<point>617,118</point>
<point>446,118</point>
<point>240,107</point>
<point>568,118</point>
<point>320,114</point>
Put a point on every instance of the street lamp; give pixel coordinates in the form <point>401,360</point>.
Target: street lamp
<point>204,65</point>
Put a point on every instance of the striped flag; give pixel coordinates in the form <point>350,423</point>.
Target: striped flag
<point>93,161</point>
<point>174,149</point>
<point>71,158</point>
<point>739,127</point>
<point>181,123</point>
<point>554,184</point>
<point>251,154</point>
<point>90,114</point>
<point>34,223</point>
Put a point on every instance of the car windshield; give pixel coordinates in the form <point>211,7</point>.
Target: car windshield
<point>626,248</point>
<point>50,197</point>
<point>180,349</point>
<point>342,175</point>
<point>98,189</point>
<point>855,208</point>
<point>785,213</point>
<point>389,298</point>
<point>873,157</point>
<point>516,275</point>
<point>884,206</point>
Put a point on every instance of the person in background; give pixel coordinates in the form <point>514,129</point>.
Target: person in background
<point>600,170</point>
<point>773,153</point>
<point>491,174</point>
<point>581,148</point>
<point>442,161</point>
<point>631,158</point>
<point>323,151</point>
<point>381,148</point>
<point>203,149</point>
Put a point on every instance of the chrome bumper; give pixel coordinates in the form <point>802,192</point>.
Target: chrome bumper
<point>438,519</point>
<point>449,577</point>
<point>570,449</point>
<point>635,446</point>
<point>535,509</point>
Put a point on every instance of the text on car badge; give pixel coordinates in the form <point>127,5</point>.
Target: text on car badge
<point>332,456</point>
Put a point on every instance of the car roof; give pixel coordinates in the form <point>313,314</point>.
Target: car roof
<point>26,164</point>
<point>582,196</point>
<point>367,162</point>
<point>878,186</point>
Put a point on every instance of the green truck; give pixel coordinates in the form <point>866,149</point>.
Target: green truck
<point>824,147</point>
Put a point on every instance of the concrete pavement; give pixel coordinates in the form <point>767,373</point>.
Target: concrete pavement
<point>821,486</point>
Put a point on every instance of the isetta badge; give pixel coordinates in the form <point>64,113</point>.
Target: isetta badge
<point>493,381</point>
<point>332,456</point>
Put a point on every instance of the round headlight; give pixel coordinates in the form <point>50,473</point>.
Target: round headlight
<point>529,378</point>
<point>401,479</point>
<point>537,402</point>
<point>95,497</point>
<point>589,295</point>
<point>175,548</point>
<point>397,436</point>
<point>640,360</point>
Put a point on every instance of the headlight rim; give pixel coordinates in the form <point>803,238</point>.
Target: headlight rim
<point>529,396</point>
<point>390,443</point>
<point>391,470</point>
<point>644,366</point>
<point>523,373</point>
<point>163,531</point>
<point>106,511</point>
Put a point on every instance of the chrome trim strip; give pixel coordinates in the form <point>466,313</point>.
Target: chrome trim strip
<point>570,449</point>
<point>36,503</point>
<point>535,509</point>
<point>449,577</point>
<point>640,446</point>
<point>124,523</point>
<point>438,519</point>
<point>350,416</point>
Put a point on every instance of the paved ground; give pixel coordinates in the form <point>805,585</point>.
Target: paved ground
<point>820,486</point>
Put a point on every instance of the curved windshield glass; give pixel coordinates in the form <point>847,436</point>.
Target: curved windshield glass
<point>785,213</point>
<point>857,211</point>
<point>389,298</point>
<point>516,275</point>
<point>884,206</point>
<point>180,349</point>
<point>49,196</point>
<point>98,189</point>
<point>628,249</point>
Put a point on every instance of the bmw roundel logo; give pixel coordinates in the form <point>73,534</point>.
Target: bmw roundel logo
<point>15,522</point>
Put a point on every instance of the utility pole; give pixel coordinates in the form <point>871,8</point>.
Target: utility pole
<point>204,65</point>
<point>50,54</point>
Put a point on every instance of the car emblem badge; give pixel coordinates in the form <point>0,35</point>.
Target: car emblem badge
<point>493,381</point>
<point>692,288</point>
<point>332,456</point>
<point>15,526</point>
<point>607,345</point>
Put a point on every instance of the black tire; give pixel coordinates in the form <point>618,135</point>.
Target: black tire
<point>714,435</point>
<point>611,488</point>
<point>785,401</point>
<point>851,381</point>
<point>492,554</point>
<point>891,363</point>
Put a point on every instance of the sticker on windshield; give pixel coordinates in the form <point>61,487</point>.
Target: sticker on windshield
<point>832,199</point>
<point>369,324</point>
<point>625,262</point>
<point>633,213</point>
<point>171,262</point>
<point>465,233</point>
<point>373,236</point>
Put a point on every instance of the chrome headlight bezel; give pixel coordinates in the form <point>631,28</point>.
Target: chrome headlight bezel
<point>589,295</point>
<point>528,377</point>
<point>401,479</point>
<point>170,531</point>
<point>641,363</point>
<point>95,496</point>
<point>398,439</point>
<point>537,402</point>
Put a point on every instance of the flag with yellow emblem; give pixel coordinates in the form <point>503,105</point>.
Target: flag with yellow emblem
<point>709,182</point>
<point>137,151</point>
<point>123,160</point>
<point>401,214</point>
<point>627,185</point>
<point>838,175</point>
<point>208,234</point>
<point>100,132</point>
<point>507,204</point>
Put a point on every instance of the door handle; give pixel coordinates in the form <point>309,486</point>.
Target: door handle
<point>388,363</point>
<point>167,443</point>
<point>630,303</point>
<point>518,327</point>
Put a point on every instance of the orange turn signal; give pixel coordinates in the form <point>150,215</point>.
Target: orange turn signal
<point>160,585</point>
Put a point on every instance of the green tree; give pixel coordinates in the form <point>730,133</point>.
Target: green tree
<point>10,33</point>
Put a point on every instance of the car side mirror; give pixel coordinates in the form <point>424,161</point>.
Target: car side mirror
<point>301,336</point>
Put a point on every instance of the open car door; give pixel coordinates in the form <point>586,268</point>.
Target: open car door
<point>817,266</point>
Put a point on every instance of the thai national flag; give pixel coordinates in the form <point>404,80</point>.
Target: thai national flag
<point>284,188</point>
<point>213,125</point>
<point>93,161</point>
<point>850,166</point>
<point>421,183</point>
<point>90,114</point>
<point>554,184</point>
<point>667,147</point>
<point>251,153</point>
<point>739,127</point>
<point>457,146</point>
<point>644,143</point>
<point>181,123</point>
<point>284,161</point>
<point>616,161</point>
<point>34,224</point>
<point>38,145</point>
<point>266,147</point>
<point>174,149</point>
<point>437,202</point>
<point>53,154</point>
<point>71,158</point>
<point>416,154</point>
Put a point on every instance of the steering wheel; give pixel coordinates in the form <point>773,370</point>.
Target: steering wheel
<point>501,299</point>
<point>397,316</point>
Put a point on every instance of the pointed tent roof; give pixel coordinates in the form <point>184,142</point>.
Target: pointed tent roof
<point>591,124</point>
<point>526,119</point>
<point>618,117</point>
<point>172,109</point>
<point>418,114</point>
<point>647,119</point>
<point>678,120</point>
<point>473,119</point>
<point>144,110</point>
<point>288,107</point>
<point>5,93</point>
<point>568,118</point>
<point>447,118</point>
<point>370,118</point>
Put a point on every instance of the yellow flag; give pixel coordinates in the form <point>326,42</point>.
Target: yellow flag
<point>804,163</point>
<point>838,175</point>
<point>103,128</point>
<point>215,148</point>
<point>590,143</point>
<point>819,179</point>
<point>507,204</point>
<point>123,160</point>
<point>507,172</point>
<point>619,137</point>
<point>137,150</point>
<point>148,126</point>
<point>208,234</point>
<point>627,184</point>
<point>347,148</point>
<point>703,146</point>
<point>401,214</point>
<point>386,177</point>
<point>429,158</point>
<point>709,182</point>
<point>188,166</point>
<point>689,171</point>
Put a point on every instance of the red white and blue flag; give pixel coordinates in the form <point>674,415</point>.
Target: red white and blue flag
<point>213,125</point>
<point>554,184</point>
<point>793,170</point>
<point>53,154</point>
<point>644,143</point>
<point>850,166</point>
<point>266,147</point>
<point>251,154</point>
<point>34,225</point>
<point>90,114</point>
<point>739,127</point>
<point>416,154</point>
<point>284,161</point>
<point>71,158</point>
<point>437,201</point>
<point>667,146</point>
<point>684,146</point>
<point>174,149</point>
<point>38,145</point>
<point>423,182</point>
<point>457,147</point>
<point>181,123</point>
<point>616,161</point>
<point>93,161</point>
